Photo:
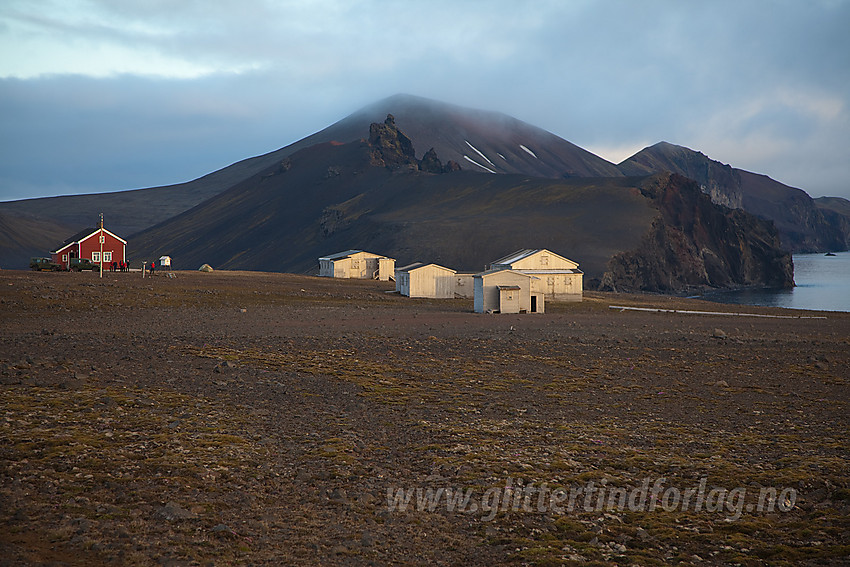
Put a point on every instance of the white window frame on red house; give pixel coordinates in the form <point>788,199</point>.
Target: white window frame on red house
<point>64,257</point>
<point>95,257</point>
<point>107,257</point>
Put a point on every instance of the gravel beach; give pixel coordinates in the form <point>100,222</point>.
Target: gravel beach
<point>243,418</point>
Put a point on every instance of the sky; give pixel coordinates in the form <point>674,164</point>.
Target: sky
<point>106,95</point>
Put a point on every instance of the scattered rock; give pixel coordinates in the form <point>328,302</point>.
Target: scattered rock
<point>173,512</point>
<point>303,475</point>
<point>221,530</point>
<point>719,334</point>
<point>338,496</point>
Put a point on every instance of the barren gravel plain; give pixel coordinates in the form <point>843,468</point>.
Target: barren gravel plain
<point>237,418</point>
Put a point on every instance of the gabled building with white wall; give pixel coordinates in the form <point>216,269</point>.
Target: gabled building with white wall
<point>506,291</point>
<point>425,280</point>
<point>357,264</point>
<point>557,277</point>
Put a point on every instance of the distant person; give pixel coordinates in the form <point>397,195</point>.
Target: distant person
<point>153,267</point>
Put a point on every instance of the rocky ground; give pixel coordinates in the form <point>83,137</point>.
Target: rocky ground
<point>262,419</point>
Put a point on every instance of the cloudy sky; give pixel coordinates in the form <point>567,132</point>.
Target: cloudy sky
<point>103,95</point>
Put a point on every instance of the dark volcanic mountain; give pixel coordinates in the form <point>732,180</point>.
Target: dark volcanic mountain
<point>377,195</point>
<point>803,225</point>
<point>495,141</point>
<point>23,236</point>
<point>479,140</point>
<point>439,138</point>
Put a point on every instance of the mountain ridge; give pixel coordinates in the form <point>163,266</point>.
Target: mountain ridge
<point>460,138</point>
<point>374,194</point>
<point>803,225</point>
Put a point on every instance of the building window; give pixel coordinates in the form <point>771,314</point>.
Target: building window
<point>95,256</point>
<point>544,260</point>
<point>64,257</point>
<point>107,256</point>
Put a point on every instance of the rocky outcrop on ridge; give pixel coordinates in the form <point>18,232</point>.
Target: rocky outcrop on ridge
<point>392,149</point>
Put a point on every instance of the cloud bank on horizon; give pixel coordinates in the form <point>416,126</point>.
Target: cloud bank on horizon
<point>99,95</point>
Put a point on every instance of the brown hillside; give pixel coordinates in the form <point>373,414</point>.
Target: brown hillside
<point>332,197</point>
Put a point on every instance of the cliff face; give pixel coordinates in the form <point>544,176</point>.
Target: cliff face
<point>720,181</point>
<point>837,211</point>
<point>803,226</point>
<point>694,243</point>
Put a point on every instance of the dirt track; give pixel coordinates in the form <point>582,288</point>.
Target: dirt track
<point>245,418</point>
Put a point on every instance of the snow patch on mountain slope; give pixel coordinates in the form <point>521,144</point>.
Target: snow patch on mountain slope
<point>469,159</point>
<point>477,151</point>
<point>529,151</point>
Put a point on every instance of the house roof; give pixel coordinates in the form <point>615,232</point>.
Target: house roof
<point>340,255</point>
<point>545,272</point>
<point>107,231</point>
<point>85,235</point>
<point>418,265</point>
<point>409,267</point>
<point>486,273</point>
<point>347,253</point>
<point>509,287</point>
<point>74,239</point>
<point>80,235</point>
<point>525,253</point>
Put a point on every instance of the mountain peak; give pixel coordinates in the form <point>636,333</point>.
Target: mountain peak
<point>479,140</point>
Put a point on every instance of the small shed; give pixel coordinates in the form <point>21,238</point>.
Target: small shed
<point>557,277</point>
<point>357,264</point>
<point>425,280</point>
<point>506,291</point>
<point>89,244</point>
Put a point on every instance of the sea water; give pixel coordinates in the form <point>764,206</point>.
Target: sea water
<point>823,284</point>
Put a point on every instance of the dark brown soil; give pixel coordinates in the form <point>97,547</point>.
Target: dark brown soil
<point>249,418</point>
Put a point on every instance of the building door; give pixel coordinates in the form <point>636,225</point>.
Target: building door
<point>534,304</point>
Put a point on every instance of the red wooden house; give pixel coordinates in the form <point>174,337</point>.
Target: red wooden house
<point>86,244</point>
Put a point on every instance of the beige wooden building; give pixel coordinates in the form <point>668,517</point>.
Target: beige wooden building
<point>465,285</point>
<point>357,264</point>
<point>506,291</point>
<point>557,277</point>
<point>425,280</point>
